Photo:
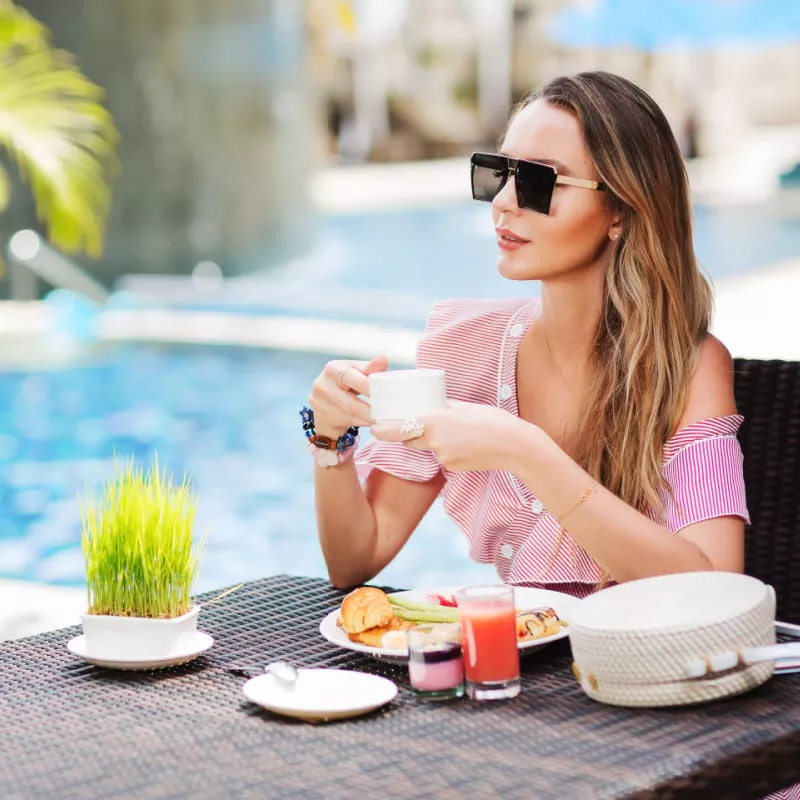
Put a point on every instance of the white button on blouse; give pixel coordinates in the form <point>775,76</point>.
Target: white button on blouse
<point>537,507</point>
<point>516,330</point>
<point>505,391</point>
<point>506,551</point>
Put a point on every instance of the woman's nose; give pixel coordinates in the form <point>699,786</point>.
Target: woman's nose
<point>506,198</point>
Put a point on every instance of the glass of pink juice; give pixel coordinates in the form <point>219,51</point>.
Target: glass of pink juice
<point>489,641</point>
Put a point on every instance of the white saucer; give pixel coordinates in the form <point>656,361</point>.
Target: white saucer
<point>322,694</point>
<point>202,642</point>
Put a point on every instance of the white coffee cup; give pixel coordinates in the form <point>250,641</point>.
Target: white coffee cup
<point>401,394</point>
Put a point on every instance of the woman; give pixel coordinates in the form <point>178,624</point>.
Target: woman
<point>590,437</point>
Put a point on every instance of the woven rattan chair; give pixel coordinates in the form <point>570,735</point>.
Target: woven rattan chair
<point>768,396</point>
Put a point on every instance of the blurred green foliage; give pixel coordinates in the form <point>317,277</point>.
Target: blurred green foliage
<point>54,126</point>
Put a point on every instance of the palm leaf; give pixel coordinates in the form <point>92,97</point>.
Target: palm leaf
<point>5,189</point>
<point>19,26</point>
<point>55,127</point>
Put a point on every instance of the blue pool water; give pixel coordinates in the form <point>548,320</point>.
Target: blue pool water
<point>229,417</point>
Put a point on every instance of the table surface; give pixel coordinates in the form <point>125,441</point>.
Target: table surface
<point>71,730</point>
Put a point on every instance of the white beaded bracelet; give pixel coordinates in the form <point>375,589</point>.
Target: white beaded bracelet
<point>332,458</point>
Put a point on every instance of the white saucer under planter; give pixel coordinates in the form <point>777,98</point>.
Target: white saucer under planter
<point>114,637</point>
<point>201,642</point>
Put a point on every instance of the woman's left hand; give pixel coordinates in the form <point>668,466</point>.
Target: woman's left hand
<point>464,437</point>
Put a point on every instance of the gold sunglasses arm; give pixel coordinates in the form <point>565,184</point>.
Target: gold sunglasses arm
<point>584,183</point>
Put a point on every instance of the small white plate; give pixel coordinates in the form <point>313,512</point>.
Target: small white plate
<point>202,642</point>
<point>322,694</point>
<point>524,597</point>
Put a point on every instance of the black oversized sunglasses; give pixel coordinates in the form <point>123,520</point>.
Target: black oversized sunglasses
<point>533,180</point>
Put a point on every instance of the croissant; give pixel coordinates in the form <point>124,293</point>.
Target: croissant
<point>537,623</point>
<point>373,637</point>
<point>364,608</point>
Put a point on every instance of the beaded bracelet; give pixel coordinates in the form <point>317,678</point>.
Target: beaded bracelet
<point>347,439</point>
<point>331,458</point>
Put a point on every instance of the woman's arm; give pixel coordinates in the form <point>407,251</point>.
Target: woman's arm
<point>626,543</point>
<point>362,528</point>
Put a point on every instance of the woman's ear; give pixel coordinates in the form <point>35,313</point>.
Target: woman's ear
<point>615,231</point>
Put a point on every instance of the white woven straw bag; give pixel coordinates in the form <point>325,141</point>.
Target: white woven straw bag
<point>632,644</point>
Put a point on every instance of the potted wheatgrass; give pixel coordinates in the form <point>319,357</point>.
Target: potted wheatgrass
<point>141,563</point>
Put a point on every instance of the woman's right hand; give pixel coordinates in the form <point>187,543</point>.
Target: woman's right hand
<point>334,396</point>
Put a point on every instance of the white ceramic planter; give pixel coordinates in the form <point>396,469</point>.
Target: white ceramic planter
<point>139,637</point>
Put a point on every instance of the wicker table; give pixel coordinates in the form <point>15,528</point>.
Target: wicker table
<point>70,730</point>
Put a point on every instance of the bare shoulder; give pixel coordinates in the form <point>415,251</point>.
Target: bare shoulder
<point>711,387</point>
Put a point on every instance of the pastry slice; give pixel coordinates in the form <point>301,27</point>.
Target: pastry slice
<point>537,623</point>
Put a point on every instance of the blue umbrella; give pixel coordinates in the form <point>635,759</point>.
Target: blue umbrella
<point>693,23</point>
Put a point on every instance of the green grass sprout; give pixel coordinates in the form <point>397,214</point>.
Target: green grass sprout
<point>137,541</point>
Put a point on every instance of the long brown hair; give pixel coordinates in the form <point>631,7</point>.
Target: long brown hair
<point>656,303</point>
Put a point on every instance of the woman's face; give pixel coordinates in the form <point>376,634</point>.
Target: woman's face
<point>575,233</point>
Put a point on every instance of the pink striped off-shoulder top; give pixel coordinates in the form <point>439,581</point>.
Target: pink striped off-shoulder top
<point>476,342</point>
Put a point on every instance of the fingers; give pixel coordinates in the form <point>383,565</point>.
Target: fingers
<point>386,432</point>
<point>378,364</point>
<point>335,394</point>
<point>347,375</point>
<point>353,375</point>
<point>340,410</point>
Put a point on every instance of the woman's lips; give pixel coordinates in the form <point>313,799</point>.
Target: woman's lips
<point>508,240</point>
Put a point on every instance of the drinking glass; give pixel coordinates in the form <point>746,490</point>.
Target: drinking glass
<point>489,641</point>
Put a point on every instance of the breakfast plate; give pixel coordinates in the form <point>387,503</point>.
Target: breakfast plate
<point>524,598</point>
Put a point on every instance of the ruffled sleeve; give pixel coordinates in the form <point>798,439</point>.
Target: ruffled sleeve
<point>703,464</point>
<point>396,459</point>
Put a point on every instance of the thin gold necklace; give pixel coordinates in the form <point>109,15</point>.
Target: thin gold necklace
<point>556,365</point>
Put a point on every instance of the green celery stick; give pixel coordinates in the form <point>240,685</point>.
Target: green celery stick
<point>412,605</point>
<point>431,613</point>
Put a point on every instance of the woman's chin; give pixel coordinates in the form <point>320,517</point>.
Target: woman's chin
<point>516,269</point>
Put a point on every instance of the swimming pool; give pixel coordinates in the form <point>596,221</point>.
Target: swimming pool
<point>229,416</point>
<point>226,416</point>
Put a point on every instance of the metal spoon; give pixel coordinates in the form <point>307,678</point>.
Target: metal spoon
<point>285,674</point>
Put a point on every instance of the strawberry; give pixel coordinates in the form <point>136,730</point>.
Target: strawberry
<point>443,600</point>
